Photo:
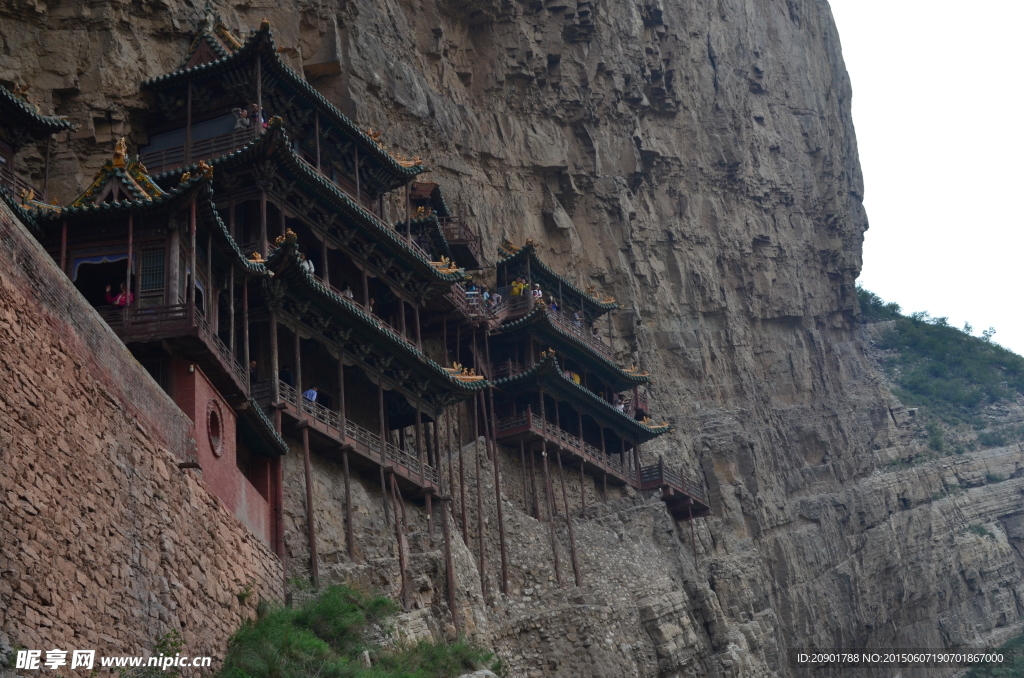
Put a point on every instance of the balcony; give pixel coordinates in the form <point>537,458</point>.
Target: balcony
<point>12,182</point>
<point>683,497</point>
<point>332,430</point>
<point>189,333</point>
<point>384,326</point>
<point>466,246</point>
<point>175,157</point>
<point>575,328</point>
<point>528,426</point>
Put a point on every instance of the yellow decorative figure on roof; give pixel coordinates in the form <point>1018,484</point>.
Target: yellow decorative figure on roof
<point>257,258</point>
<point>185,177</point>
<point>205,170</point>
<point>120,152</point>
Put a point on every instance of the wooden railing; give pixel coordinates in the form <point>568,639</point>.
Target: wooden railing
<point>570,325</point>
<point>566,441</point>
<point>359,435</point>
<point>507,368</point>
<point>474,307</point>
<point>386,327</point>
<point>457,232</point>
<point>12,182</point>
<point>175,156</point>
<point>128,322</point>
<point>658,475</point>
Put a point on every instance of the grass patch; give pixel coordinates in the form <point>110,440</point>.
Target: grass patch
<point>934,365</point>
<point>332,635</point>
<point>981,531</point>
<point>1013,662</point>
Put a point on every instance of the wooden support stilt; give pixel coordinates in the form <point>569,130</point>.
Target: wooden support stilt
<point>449,565</point>
<point>430,516</point>
<point>245,330</point>
<point>462,489</point>
<point>350,530</point>
<point>568,522</point>
<point>533,486</point>
<point>263,223</point>
<point>479,502</point>
<point>383,455</point>
<point>522,463</point>
<point>419,444</point>
<point>551,510</point>
<point>396,498</point>
<point>310,519</point>
<point>497,493</point>
<point>583,491</point>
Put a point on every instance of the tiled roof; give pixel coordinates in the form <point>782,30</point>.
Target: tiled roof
<point>549,280</point>
<point>539,319</point>
<point>17,111</point>
<point>548,372</point>
<point>274,143</point>
<point>283,261</point>
<point>262,42</point>
<point>259,425</point>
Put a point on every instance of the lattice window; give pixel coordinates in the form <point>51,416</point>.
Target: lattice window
<point>152,270</point>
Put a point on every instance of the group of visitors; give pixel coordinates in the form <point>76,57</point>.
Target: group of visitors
<point>122,298</point>
<point>482,296</point>
<point>244,117</point>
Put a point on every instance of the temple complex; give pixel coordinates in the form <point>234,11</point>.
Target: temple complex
<point>298,289</point>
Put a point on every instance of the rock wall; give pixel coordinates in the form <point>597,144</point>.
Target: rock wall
<point>105,543</point>
<point>696,159</point>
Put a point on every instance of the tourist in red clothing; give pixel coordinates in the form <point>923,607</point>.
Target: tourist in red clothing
<point>123,298</point>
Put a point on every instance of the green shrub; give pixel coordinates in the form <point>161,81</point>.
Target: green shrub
<point>941,367</point>
<point>328,636</point>
<point>1012,665</point>
<point>981,531</point>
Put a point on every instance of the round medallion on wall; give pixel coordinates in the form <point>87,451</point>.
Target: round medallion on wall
<point>215,427</point>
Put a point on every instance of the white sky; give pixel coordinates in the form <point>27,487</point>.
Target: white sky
<point>937,93</point>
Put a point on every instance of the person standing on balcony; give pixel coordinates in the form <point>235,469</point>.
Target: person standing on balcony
<point>517,287</point>
<point>241,118</point>
<point>310,394</point>
<point>306,264</point>
<point>538,294</point>
<point>347,292</point>
<point>253,375</point>
<point>258,116</point>
<point>122,298</point>
<point>286,376</point>
<point>577,319</point>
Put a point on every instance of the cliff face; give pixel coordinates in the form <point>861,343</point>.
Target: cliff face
<point>696,159</point>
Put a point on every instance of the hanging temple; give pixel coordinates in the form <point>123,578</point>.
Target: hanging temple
<point>253,249</point>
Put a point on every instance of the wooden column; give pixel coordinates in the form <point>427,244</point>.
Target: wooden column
<point>316,131</point>
<point>533,486</point>
<point>419,443</point>
<point>128,272</point>
<point>324,271</point>
<point>462,489</point>
<point>522,463</point>
<point>401,316</point>
<point>449,565</point>
<point>396,498</point>
<point>568,522</point>
<point>188,125</point>
<point>257,124</point>
<point>310,520</point>
<point>636,458</point>
<point>479,502</point>
<point>298,372</point>
<point>245,329</point>
<point>497,469</point>
<point>232,345</point>
<point>275,383</point>
<point>350,536</point>
<point>263,223</point>
<point>64,246</point>
<point>341,396</point>
<point>192,263</point>
<point>279,513</point>
<point>419,336</point>
<point>366,288</point>
<point>209,302</point>
<point>548,489</point>
<point>382,430</point>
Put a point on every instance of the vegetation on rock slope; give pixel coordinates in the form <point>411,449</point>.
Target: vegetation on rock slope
<point>944,369</point>
<point>335,635</point>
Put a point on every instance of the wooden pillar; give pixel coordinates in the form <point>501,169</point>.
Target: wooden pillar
<point>341,396</point>
<point>430,516</point>
<point>366,289</point>
<point>583,491</point>
<point>383,456</point>
<point>350,536</point>
<point>419,336</point>
<point>401,316</point>
<point>548,488</point>
<point>522,463</point>
<point>419,443</point>
<point>604,489</point>
<point>192,263</point>
<point>533,486</point>
<point>568,522</point>
<point>275,383</point>
<point>298,371</point>
<point>316,131</point>
<point>263,223</point>
<point>279,512</point>
<point>231,314</point>
<point>636,458</point>
<point>479,502</point>
<point>462,489</point>
<point>310,520</point>
<point>355,165</point>
<point>188,124</point>
<point>257,124</point>
<point>396,497</point>
<point>449,565</point>
<point>128,272</point>
<point>245,328</point>
<point>209,303</point>
<point>64,246</point>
